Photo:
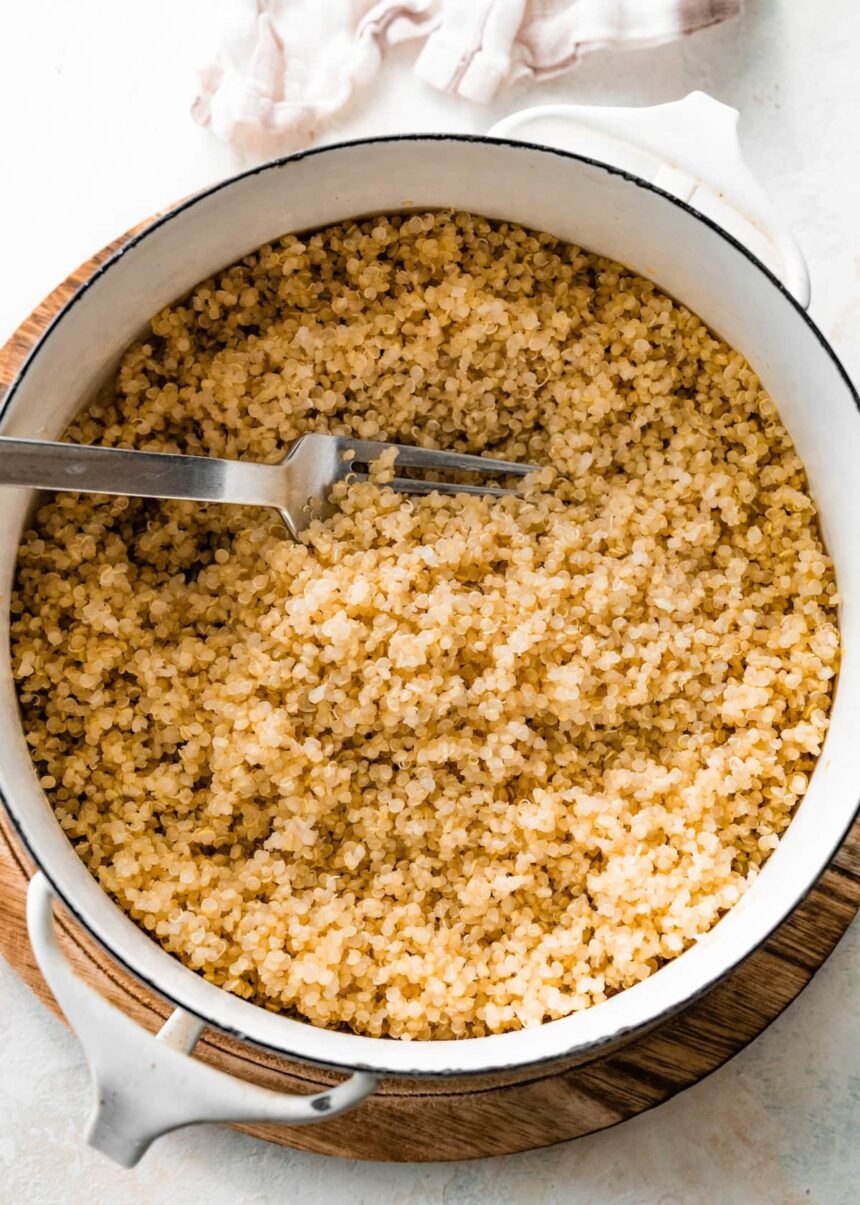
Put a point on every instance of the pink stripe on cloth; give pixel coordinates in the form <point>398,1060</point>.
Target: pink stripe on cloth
<point>287,65</point>
<point>557,33</point>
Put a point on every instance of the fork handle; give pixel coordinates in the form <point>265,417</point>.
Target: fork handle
<point>84,469</point>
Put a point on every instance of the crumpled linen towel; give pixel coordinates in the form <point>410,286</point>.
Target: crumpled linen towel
<point>286,65</point>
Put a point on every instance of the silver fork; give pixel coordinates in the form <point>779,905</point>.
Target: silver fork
<point>297,487</point>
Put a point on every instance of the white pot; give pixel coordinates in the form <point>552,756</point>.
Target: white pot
<point>148,1085</point>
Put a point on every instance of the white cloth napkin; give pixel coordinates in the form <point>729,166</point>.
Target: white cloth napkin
<point>286,65</point>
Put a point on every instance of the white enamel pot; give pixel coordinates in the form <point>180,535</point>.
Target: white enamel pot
<point>146,1085</point>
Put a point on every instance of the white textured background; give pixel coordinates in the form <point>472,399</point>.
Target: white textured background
<point>94,136</point>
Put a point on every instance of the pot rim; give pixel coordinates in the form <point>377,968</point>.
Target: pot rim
<point>581,1050</point>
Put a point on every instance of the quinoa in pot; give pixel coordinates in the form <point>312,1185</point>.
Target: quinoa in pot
<point>445,766</point>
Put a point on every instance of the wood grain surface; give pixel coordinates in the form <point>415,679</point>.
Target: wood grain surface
<point>468,1118</point>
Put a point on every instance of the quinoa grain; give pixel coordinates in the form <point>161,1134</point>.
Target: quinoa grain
<point>444,767</point>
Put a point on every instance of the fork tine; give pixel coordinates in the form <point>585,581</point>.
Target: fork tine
<point>367,450</point>
<point>408,485</point>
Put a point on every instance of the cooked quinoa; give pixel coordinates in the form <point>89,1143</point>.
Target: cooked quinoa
<point>446,766</point>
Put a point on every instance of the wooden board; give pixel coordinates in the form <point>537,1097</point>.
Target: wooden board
<point>468,1118</point>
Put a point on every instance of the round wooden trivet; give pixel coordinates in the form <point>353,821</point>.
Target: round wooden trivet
<point>462,1119</point>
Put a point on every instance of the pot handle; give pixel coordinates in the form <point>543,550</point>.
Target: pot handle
<point>688,148</point>
<point>147,1084</point>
